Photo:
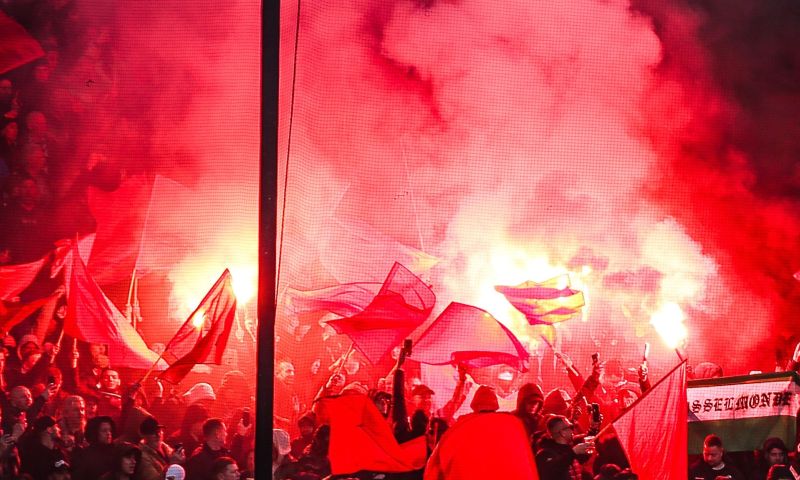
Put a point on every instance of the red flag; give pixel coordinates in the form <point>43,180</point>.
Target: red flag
<point>14,279</point>
<point>653,431</point>
<point>545,303</point>
<point>361,439</point>
<point>92,317</point>
<point>402,304</point>
<point>17,46</point>
<point>120,219</point>
<point>343,300</point>
<point>13,315</point>
<point>464,449</point>
<point>471,336</point>
<point>204,335</point>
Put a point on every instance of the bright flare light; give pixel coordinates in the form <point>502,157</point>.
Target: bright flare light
<point>668,322</point>
<point>244,282</point>
<point>198,319</point>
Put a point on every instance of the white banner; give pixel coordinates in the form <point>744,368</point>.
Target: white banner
<point>745,399</point>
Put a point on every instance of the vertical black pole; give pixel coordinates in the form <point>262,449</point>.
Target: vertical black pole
<point>267,234</point>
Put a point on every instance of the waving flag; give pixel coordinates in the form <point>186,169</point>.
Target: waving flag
<point>547,302</point>
<point>354,251</point>
<point>14,279</point>
<point>361,439</point>
<point>653,430</point>
<point>203,337</point>
<point>470,336</point>
<point>17,46</point>
<point>402,304</point>
<point>342,300</point>
<point>92,317</point>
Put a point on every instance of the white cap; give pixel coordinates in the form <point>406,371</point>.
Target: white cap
<point>198,393</point>
<point>175,472</point>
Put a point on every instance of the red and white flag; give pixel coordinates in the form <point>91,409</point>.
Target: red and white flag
<point>17,46</point>
<point>653,431</point>
<point>204,335</point>
<point>92,317</point>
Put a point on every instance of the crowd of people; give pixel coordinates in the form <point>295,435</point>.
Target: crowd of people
<point>66,411</point>
<point>565,428</point>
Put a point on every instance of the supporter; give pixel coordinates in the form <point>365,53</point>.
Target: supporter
<point>156,455</point>
<point>780,472</point>
<point>109,395</point>
<point>125,462</point>
<point>313,465</point>
<point>558,456</point>
<point>225,468</point>
<point>198,466</point>
<point>96,458</point>
<point>190,435</point>
<point>9,134</point>
<point>282,464</point>
<point>72,421</point>
<point>18,401</point>
<point>530,399</point>
<point>773,452</point>
<point>35,132</point>
<point>25,234</point>
<point>287,403</point>
<point>39,449</point>
<point>201,393</point>
<point>7,95</point>
<point>712,466</point>
<point>306,425</point>
<point>484,400</point>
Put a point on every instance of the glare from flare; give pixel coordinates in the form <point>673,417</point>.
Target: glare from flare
<point>668,322</point>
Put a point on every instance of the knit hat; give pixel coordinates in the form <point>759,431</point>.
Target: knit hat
<point>150,426</point>
<point>198,393</point>
<point>485,400</point>
<point>774,442</point>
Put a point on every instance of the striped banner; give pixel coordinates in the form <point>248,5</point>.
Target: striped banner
<point>762,406</point>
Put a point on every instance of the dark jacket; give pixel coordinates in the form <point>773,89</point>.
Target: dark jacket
<point>701,470</point>
<point>91,462</point>
<point>199,465</point>
<point>554,460</point>
<point>38,461</point>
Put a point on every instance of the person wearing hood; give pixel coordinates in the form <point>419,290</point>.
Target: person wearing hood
<point>773,452</point>
<point>126,459</point>
<point>530,400</point>
<point>307,424</point>
<point>484,401</point>
<point>92,461</point>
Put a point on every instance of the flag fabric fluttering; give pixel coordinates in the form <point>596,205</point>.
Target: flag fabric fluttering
<point>545,303</point>
<point>463,334</point>
<point>464,449</point>
<point>92,317</point>
<point>14,279</point>
<point>368,254</point>
<point>653,431</point>
<point>204,335</point>
<point>403,303</point>
<point>342,300</point>
<point>17,46</point>
<point>361,439</point>
<point>12,315</point>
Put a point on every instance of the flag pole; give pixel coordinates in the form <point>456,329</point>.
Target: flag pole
<point>152,367</point>
<point>345,358</point>
<point>58,344</point>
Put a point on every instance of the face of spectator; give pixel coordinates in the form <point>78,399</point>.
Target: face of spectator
<point>231,472</point>
<point>423,402</point>
<point>712,455</point>
<point>315,366</point>
<point>95,350</point>
<point>10,132</point>
<point>128,465</point>
<point>74,409</point>
<point>105,434</point>
<point>27,192</point>
<point>110,380</point>
<point>220,434</point>
<point>306,430</point>
<point>533,406</point>
<point>776,456</point>
<point>21,398</point>
<point>101,361</point>
<point>563,434</point>
<point>286,373</point>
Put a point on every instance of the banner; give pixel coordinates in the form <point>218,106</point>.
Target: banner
<point>764,405</point>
